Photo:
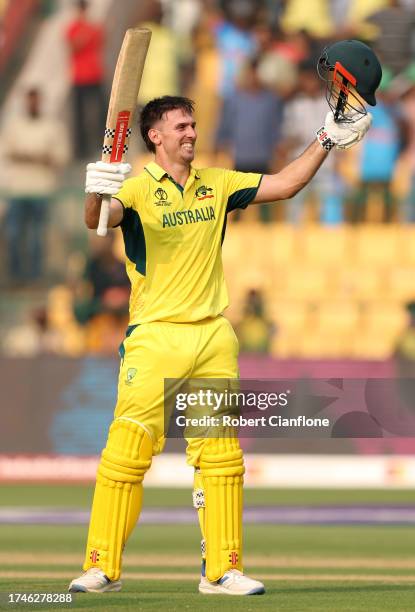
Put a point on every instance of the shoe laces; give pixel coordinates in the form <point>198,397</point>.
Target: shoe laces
<point>235,574</point>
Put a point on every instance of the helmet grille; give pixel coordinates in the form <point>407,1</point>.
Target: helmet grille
<point>341,95</point>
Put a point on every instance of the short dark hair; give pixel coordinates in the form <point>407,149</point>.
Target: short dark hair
<point>155,109</point>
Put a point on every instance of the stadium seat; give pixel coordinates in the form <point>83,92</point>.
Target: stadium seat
<point>360,283</point>
<point>385,314</point>
<point>376,245</point>
<point>291,319</point>
<point>331,336</point>
<point>283,244</point>
<point>285,344</point>
<point>326,246</point>
<point>337,316</point>
<point>307,283</point>
<point>242,246</point>
<point>289,314</point>
<point>318,345</point>
<point>401,283</point>
<point>406,237</point>
<point>370,344</point>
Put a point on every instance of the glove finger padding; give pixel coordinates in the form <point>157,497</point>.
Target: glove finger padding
<point>102,188</point>
<point>94,174</point>
<point>122,168</point>
<point>345,134</point>
<point>104,178</point>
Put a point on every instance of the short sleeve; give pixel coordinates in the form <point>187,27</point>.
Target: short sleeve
<point>128,193</point>
<point>241,188</point>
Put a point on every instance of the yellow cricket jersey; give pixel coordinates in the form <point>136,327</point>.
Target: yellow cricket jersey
<point>173,239</point>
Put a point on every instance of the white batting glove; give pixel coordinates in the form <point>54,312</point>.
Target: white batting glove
<point>343,135</point>
<point>104,178</point>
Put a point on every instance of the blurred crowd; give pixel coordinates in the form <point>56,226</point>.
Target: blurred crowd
<point>250,67</point>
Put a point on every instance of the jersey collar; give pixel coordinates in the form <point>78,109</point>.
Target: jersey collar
<point>157,172</point>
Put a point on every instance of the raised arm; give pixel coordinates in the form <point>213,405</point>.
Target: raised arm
<point>291,179</point>
<point>93,208</point>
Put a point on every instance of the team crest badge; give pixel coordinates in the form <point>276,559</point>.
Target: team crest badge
<point>203,192</point>
<point>131,372</point>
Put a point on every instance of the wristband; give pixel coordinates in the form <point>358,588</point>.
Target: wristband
<point>324,139</point>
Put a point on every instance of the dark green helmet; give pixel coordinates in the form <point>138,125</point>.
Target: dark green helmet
<point>359,62</point>
<point>352,73</point>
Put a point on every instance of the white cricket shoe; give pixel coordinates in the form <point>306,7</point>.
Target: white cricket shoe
<point>233,582</point>
<point>94,581</point>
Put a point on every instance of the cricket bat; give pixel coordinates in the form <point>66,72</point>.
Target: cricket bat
<point>122,105</point>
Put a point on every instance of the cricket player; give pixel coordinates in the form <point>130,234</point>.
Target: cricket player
<point>173,218</point>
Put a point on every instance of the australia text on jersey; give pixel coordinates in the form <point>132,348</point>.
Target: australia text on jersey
<point>184,217</point>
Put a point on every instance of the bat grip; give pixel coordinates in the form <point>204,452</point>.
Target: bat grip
<point>104,215</point>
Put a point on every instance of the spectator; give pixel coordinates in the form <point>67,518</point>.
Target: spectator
<point>404,353</point>
<point>302,118</point>
<point>205,86</point>
<point>313,16</point>
<point>378,156</point>
<point>35,148</point>
<point>102,301</point>
<point>254,331</point>
<point>85,40</point>
<point>107,286</point>
<point>250,125</point>
<point>235,41</point>
<point>277,59</point>
<point>394,42</point>
<point>351,18</point>
<point>161,72</point>
<point>405,88</point>
<point>30,337</point>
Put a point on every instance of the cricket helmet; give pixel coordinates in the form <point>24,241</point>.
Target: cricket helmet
<point>352,73</point>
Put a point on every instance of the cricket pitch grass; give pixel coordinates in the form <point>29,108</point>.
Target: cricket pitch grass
<point>333,568</point>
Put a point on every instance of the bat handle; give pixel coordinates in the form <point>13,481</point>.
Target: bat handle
<point>104,215</point>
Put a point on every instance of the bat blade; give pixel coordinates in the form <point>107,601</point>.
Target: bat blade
<point>122,105</point>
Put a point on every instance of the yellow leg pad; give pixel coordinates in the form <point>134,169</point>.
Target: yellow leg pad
<point>222,469</point>
<point>118,495</point>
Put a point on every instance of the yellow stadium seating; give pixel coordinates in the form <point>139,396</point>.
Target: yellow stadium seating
<point>334,316</point>
<point>370,344</point>
<point>331,335</point>
<point>285,344</point>
<point>331,292</point>
<point>326,246</point>
<point>376,245</point>
<point>316,344</point>
<point>406,237</point>
<point>401,283</point>
<point>292,319</point>
<point>307,283</point>
<point>384,317</point>
<point>360,283</point>
<point>283,244</point>
<point>289,314</point>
